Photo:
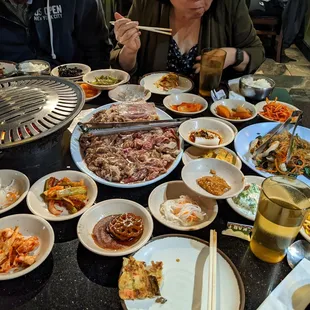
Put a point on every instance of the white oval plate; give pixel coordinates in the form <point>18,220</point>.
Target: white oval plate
<point>193,153</point>
<point>148,81</point>
<point>173,190</point>
<point>79,161</point>
<point>206,123</point>
<point>249,179</point>
<point>304,234</point>
<point>85,69</point>
<point>177,99</point>
<point>90,98</point>
<point>201,167</point>
<point>260,108</point>
<point>185,282</point>
<point>233,104</point>
<point>21,184</point>
<point>248,134</point>
<point>106,208</point>
<point>30,225</point>
<point>37,205</point>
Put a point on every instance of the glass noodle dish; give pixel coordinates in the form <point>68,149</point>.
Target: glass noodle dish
<point>273,158</point>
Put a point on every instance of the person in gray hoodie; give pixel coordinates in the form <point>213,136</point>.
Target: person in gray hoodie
<point>58,31</point>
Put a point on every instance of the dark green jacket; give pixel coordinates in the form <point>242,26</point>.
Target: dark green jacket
<point>226,24</point>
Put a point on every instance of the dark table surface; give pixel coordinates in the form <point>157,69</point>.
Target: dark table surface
<point>74,278</point>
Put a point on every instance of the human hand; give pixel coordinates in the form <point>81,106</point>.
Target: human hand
<point>127,33</point>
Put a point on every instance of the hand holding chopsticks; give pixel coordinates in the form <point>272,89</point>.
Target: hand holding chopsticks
<point>212,271</point>
<point>166,31</point>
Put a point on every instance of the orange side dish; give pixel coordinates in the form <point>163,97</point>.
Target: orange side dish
<point>89,91</point>
<point>276,111</point>
<point>187,107</point>
<point>238,113</point>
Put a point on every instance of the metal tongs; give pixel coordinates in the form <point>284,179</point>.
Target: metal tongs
<point>104,129</point>
<point>278,129</point>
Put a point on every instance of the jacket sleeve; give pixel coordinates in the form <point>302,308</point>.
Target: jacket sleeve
<point>92,34</point>
<point>245,37</point>
<point>134,14</point>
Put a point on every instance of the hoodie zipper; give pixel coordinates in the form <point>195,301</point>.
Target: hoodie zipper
<point>23,26</point>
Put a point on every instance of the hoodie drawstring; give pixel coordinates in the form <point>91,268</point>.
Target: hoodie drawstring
<point>49,19</point>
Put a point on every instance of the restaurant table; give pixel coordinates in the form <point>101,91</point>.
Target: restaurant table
<point>74,278</point>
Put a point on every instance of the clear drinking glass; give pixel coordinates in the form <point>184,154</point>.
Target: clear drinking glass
<point>211,69</point>
<point>283,205</point>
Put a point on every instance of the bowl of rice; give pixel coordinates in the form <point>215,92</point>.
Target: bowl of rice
<point>256,87</point>
<point>34,67</point>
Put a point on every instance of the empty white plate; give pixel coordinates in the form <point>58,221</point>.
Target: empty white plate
<point>173,190</point>
<point>185,276</point>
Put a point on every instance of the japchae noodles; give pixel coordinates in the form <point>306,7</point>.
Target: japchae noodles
<point>273,158</point>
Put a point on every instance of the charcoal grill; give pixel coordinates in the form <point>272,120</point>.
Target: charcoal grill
<point>34,107</point>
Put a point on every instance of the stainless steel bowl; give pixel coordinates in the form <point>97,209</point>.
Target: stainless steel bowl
<point>46,71</point>
<point>256,93</point>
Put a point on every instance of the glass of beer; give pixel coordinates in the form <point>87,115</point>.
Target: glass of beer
<point>283,205</point>
<point>211,69</point>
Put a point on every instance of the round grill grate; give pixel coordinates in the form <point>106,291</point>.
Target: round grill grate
<point>34,107</point>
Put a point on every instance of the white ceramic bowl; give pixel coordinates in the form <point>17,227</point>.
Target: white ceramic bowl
<point>90,98</point>
<point>129,93</point>
<point>85,69</point>
<point>21,184</point>
<point>113,207</point>
<point>260,108</point>
<point>249,179</point>
<point>122,76</point>
<point>173,190</point>
<point>233,104</point>
<point>206,123</point>
<point>46,71</point>
<point>30,225</point>
<point>232,126</point>
<point>201,167</point>
<point>177,99</point>
<point>37,205</point>
<point>193,153</point>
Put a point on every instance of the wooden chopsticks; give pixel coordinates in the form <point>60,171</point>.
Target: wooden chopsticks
<point>212,270</point>
<point>166,31</point>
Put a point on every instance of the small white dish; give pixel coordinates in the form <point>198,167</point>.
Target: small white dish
<point>148,81</point>
<point>38,206</point>
<point>304,234</point>
<point>193,153</point>
<point>206,123</point>
<point>21,185</point>
<point>129,93</point>
<point>233,104</point>
<point>89,98</point>
<point>260,108</point>
<point>201,168</point>
<point>30,225</point>
<point>46,67</point>
<point>122,76</point>
<point>106,208</point>
<point>85,69</point>
<point>173,190</point>
<point>186,271</point>
<point>177,99</point>
<point>249,179</point>
<point>8,67</point>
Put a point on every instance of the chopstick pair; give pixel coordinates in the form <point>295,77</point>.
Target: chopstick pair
<point>212,271</point>
<point>166,31</point>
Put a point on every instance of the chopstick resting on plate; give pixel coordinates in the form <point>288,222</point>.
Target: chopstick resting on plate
<point>166,31</point>
<point>212,270</point>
